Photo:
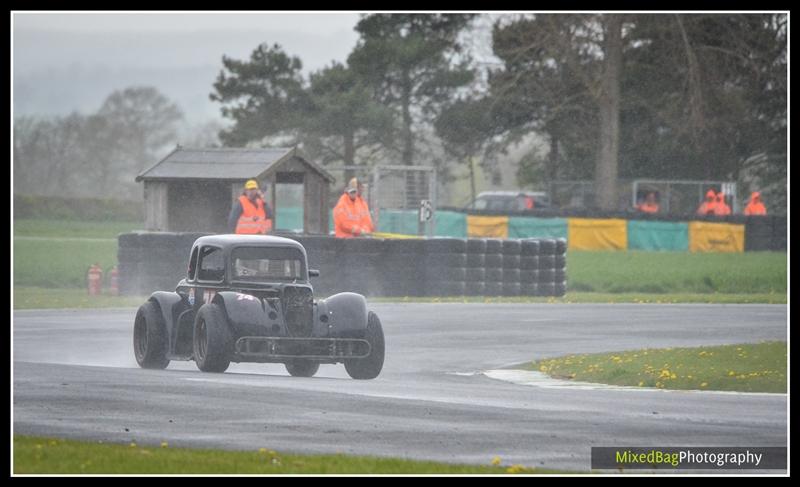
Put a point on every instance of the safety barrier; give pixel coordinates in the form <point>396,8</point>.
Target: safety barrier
<point>151,261</point>
<point>594,230</point>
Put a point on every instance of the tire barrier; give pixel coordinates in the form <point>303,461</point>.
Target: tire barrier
<point>444,267</point>
<point>475,284</point>
<point>153,261</point>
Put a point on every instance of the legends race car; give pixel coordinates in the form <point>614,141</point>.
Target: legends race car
<point>248,298</point>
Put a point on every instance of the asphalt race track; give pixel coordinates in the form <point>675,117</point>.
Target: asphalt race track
<point>75,376</point>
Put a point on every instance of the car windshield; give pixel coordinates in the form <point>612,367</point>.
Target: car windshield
<point>268,264</point>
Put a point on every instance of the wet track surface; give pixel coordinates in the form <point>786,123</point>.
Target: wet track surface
<point>75,376</point>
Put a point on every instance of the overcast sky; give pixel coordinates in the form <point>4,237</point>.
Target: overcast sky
<point>45,41</point>
<point>72,61</point>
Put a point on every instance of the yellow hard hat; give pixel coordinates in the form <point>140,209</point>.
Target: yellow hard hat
<point>352,185</point>
<point>251,184</point>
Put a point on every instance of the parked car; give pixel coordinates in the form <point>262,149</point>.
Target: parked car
<point>248,298</point>
<point>510,201</point>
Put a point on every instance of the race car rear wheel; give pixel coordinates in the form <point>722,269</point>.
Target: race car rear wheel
<point>212,341</point>
<point>150,338</point>
<point>370,366</point>
<point>302,368</point>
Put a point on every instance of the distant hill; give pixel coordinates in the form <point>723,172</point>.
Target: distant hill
<point>57,72</point>
<point>59,91</point>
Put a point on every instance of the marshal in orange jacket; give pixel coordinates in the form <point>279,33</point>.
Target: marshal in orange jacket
<point>351,217</point>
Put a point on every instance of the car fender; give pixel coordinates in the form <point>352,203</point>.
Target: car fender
<point>346,314</point>
<point>171,304</point>
<point>247,316</point>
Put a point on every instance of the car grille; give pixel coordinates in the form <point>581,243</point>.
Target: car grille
<point>298,309</point>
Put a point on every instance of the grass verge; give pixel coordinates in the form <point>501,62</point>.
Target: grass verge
<point>759,367</point>
<point>611,298</point>
<point>48,298</point>
<point>36,455</point>
<point>24,227</point>
<point>32,297</point>
<point>59,262</point>
<point>677,272</point>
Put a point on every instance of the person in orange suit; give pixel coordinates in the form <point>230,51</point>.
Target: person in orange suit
<point>755,206</point>
<point>722,208</point>
<point>351,213</point>
<point>649,205</point>
<point>709,205</point>
<point>250,213</point>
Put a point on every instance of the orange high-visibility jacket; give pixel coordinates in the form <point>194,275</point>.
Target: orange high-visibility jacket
<point>254,218</point>
<point>755,207</point>
<point>721,208</point>
<point>351,218</point>
<point>648,207</point>
<point>708,207</point>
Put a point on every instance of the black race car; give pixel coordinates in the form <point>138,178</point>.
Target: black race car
<point>248,298</point>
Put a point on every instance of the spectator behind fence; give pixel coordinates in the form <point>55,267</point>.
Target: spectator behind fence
<point>351,214</point>
<point>708,206</point>
<point>721,208</point>
<point>649,205</point>
<point>755,206</point>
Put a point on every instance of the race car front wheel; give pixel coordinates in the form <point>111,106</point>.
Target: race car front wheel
<point>212,339</point>
<point>370,366</point>
<point>150,338</point>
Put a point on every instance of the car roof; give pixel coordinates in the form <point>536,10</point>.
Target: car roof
<point>230,240</point>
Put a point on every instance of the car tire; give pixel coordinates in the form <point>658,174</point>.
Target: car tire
<point>302,368</point>
<point>370,366</point>
<point>212,341</point>
<point>150,338</point>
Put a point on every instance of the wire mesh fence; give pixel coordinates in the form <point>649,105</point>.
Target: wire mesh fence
<point>673,196</point>
<point>682,197</point>
<point>390,189</point>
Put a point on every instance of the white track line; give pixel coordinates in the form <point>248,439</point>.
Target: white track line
<point>539,379</point>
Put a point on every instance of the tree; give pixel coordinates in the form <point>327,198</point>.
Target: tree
<point>561,76</point>
<point>263,96</point>
<point>342,117</point>
<point>706,97</point>
<point>413,60</point>
<point>139,123</point>
<point>669,96</point>
<point>464,127</point>
<point>46,155</point>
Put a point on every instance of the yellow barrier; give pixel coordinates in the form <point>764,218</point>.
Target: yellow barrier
<point>597,234</point>
<point>715,237</point>
<point>392,235</point>
<point>487,226</point>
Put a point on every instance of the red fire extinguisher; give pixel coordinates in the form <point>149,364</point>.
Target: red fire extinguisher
<point>95,279</point>
<point>113,284</point>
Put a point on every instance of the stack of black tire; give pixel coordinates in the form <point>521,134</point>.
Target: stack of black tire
<point>475,284</point>
<point>320,257</point>
<point>529,267</point>
<point>444,267</point>
<point>544,274</point>
<point>493,267</point>
<point>152,261</point>
<point>401,267</point>
<point>359,264</point>
<point>511,270</point>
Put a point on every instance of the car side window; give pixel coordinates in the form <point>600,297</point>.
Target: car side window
<point>192,264</point>
<point>212,265</point>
